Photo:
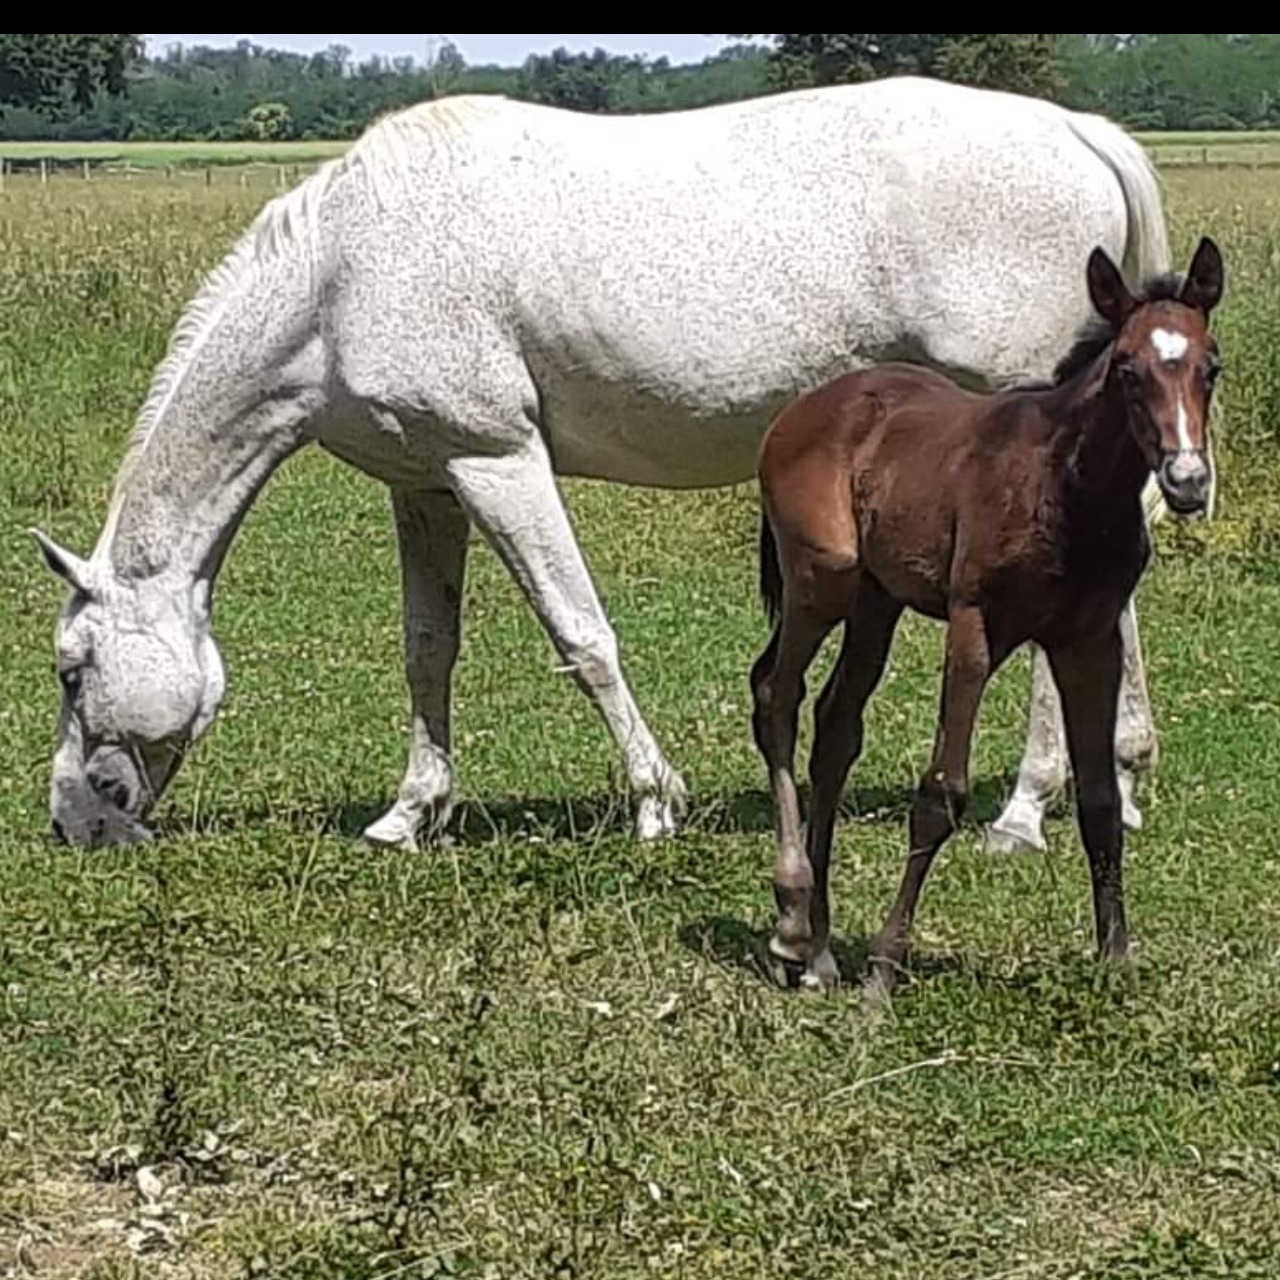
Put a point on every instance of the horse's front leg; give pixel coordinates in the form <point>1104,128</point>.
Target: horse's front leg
<point>513,499</point>
<point>433,532</point>
<point>1088,675</point>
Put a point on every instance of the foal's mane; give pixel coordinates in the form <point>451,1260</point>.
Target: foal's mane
<point>1097,335</point>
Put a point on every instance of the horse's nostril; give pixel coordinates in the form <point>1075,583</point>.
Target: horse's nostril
<point>59,832</point>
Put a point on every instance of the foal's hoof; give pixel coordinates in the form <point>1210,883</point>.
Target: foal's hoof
<point>792,972</point>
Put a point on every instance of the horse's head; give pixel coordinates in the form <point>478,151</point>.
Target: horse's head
<point>141,680</point>
<point>1167,362</point>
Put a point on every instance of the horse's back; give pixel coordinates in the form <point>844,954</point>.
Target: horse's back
<point>658,285</point>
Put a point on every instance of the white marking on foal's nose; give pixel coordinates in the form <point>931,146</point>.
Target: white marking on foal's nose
<point>1184,435</point>
<point>1169,343</point>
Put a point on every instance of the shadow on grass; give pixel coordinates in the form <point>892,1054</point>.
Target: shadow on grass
<point>601,815</point>
<point>735,944</point>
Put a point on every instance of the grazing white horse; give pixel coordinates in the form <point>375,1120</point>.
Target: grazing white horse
<point>481,295</point>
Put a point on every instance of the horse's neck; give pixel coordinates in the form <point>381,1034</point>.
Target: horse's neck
<point>230,409</point>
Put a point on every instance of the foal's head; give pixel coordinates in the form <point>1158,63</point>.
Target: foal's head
<point>1165,361</point>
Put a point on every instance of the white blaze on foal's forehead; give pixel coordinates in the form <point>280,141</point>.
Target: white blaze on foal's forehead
<point>1169,343</point>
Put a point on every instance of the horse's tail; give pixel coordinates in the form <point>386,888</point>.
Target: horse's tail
<point>1146,249</point>
<point>770,570</point>
<point>1146,246</point>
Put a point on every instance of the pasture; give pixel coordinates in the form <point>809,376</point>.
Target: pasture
<point>256,1049</point>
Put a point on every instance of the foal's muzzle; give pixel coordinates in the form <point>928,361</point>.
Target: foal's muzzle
<point>1184,481</point>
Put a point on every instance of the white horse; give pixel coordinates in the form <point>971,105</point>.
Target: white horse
<point>481,295</point>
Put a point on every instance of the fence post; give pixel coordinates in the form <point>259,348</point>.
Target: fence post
<point>44,172</point>
<point>86,169</point>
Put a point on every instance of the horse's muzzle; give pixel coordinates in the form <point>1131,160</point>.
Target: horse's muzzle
<point>1184,481</point>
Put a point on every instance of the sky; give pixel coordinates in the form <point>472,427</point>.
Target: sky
<point>507,50</point>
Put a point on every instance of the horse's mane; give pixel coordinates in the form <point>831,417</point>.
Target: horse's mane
<point>1097,335</point>
<point>292,219</point>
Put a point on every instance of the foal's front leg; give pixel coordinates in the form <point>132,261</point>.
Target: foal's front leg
<point>944,790</point>
<point>1088,676</point>
<point>1043,771</point>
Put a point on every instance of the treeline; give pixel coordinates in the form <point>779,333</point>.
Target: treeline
<point>1145,81</point>
<point>251,92</point>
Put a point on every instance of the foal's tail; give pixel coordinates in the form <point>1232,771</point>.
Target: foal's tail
<point>770,570</point>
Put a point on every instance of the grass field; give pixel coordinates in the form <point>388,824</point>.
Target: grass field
<point>160,155</point>
<point>1256,148</point>
<point>255,1049</point>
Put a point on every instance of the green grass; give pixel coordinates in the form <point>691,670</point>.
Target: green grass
<point>159,155</point>
<point>545,1051</point>
<point>1256,147</point>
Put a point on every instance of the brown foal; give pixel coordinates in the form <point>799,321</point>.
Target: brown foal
<point>1013,517</point>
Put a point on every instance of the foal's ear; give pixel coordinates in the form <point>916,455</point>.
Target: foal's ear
<point>1203,286</point>
<point>1107,290</point>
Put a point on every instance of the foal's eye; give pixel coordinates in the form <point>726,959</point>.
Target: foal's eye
<point>70,679</point>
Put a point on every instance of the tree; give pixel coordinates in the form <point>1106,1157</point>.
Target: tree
<point>54,73</point>
<point>1016,63</point>
<point>1021,63</point>
<point>579,81</point>
<point>270,121</point>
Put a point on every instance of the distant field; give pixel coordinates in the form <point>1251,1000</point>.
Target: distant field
<point>1170,149</point>
<point>156,155</point>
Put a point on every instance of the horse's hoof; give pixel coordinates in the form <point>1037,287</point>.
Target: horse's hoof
<point>392,831</point>
<point>821,973</point>
<point>1015,832</point>
<point>877,991</point>
<point>784,972</point>
<point>792,972</point>
<point>1130,814</point>
<point>658,815</point>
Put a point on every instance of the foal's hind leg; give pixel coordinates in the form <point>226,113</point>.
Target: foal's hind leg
<point>777,682</point>
<point>943,792</point>
<point>837,745</point>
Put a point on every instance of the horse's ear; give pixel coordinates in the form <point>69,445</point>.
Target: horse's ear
<point>1204,283</point>
<point>1107,290</point>
<point>74,571</point>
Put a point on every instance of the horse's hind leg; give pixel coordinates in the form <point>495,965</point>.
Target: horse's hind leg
<point>777,682</point>
<point>838,743</point>
<point>433,532</point>
<point>512,498</point>
<point>943,792</point>
<point>1043,771</point>
<point>1136,741</point>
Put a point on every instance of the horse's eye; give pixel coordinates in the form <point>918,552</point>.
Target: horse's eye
<point>70,678</point>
